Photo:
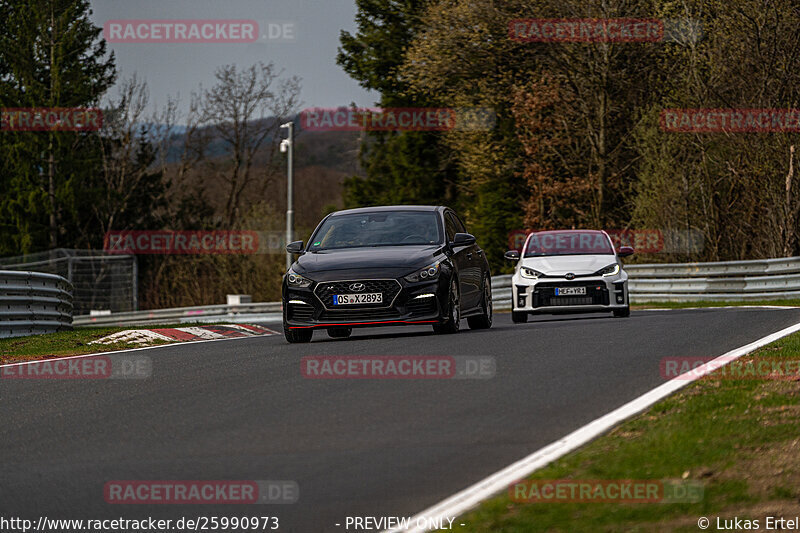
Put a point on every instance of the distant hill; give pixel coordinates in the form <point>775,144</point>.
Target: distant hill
<point>322,160</point>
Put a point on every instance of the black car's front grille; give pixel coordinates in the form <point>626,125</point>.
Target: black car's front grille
<point>421,306</point>
<point>389,287</point>
<point>544,295</point>
<point>359,314</point>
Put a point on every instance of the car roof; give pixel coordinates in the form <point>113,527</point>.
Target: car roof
<point>552,231</point>
<point>569,231</point>
<point>358,210</point>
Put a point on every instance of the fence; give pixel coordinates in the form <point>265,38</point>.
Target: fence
<point>34,302</point>
<point>100,281</point>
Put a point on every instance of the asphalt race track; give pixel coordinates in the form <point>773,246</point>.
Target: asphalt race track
<point>241,410</point>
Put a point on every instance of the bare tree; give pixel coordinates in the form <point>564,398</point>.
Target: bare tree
<point>245,109</point>
<point>127,153</point>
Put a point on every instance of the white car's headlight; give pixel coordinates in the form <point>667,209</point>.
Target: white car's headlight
<point>530,273</point>
<point>293,279</point>
<point>428,273</point>
<point>610,270</point>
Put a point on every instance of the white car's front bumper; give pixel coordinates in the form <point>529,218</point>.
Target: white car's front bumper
<point>538,295</point>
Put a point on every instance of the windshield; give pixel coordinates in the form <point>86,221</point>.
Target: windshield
<point>568,243</point>
<point>380,228</point>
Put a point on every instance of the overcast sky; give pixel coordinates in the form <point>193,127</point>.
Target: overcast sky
<point>179,68</point>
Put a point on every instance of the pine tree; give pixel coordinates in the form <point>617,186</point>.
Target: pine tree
<point>400,167</point>
<point>51,55</point>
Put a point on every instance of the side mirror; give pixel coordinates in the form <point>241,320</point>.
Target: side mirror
<point>295,247</point>
<point>625,251</point>
<point>463,239</point>
<point>512,255</point>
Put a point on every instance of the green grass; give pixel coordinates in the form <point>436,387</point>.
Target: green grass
<point>682,305</point>
<point>63,343</point>
<point>740,439</point>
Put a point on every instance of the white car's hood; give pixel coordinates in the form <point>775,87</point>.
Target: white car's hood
<point>558,265</point>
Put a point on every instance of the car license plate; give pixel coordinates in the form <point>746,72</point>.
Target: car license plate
<point>570,291</point>
<point>352,299</point>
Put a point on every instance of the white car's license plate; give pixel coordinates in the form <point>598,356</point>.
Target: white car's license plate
<point>570,291</point>
<point>352,299</point>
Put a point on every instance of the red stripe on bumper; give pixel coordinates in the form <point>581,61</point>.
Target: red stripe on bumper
<point>367,323</point>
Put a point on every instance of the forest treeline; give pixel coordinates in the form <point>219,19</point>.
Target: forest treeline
<point>579,141</point>
<point>210,162</point>
<point>578,138</point>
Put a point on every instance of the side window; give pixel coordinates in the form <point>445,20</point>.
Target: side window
<point>449,226</point>
<point>460,228</point>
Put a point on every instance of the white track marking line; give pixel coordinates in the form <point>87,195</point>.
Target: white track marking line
<point>457,504</point>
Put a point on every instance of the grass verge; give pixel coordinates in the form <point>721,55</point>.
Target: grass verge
<point>739,438</point>
<point>63,343</point>
<point>683,305</point>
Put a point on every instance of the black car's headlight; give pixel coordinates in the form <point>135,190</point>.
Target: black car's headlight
<point>610,270</point>
<point>293,279</point>
<point>526,272</point>
<point>428,273</point>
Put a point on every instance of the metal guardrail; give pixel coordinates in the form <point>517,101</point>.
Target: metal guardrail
<point>34,302</point>
<point>99,280</point>
<point>761,279</point>
<point>262,312</point>
<point>767,279</point>
<point>788,265</point>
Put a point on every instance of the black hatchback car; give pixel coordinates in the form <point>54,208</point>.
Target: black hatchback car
<point>386,266</point>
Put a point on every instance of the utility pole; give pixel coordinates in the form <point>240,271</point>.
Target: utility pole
<point>287,145</point>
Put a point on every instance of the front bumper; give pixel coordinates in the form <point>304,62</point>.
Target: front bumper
<point>539,295</point>
<point>404,304</point>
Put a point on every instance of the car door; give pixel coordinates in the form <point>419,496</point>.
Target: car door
<point>462,257</point>
<point>473,279</point>
<point>458,254</point>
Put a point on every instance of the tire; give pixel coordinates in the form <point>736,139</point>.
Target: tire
<point>519,317</point>
<point>339,332</point>
<point>484,320</point>
<point>297,335</point>
<point>453,322</point>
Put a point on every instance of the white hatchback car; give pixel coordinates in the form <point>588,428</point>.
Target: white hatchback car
<point>569,271</point>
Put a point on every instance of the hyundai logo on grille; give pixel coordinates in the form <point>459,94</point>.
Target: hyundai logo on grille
<point>357,287</point>
<point>569,275</point>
